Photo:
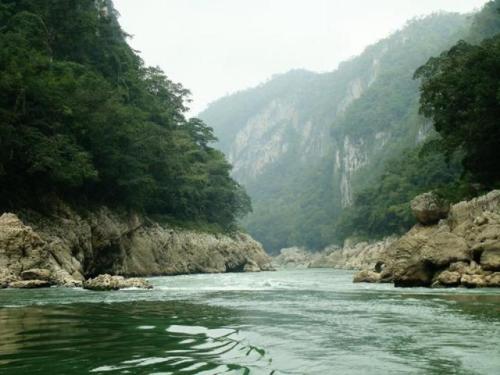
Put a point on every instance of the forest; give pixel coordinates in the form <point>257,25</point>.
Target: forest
<point>84,119</point>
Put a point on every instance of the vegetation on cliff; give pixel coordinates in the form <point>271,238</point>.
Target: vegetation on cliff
<point>83,118</point>
<point>460,95</point>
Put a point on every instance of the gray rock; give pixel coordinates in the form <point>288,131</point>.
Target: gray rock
<point>36,274</point>
<point>490,256</point>
<point>108,282</point>
<point>449,278</point>
<point>366,276</point>
<point>428,208</point>
<point>473,281</point>
<point>30,284</point>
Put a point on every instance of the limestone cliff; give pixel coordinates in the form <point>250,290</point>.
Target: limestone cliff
<point>73,246</point>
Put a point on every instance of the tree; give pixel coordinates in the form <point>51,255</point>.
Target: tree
<point>460,92</point>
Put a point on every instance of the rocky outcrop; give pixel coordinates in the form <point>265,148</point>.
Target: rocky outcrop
<point>294,257</point>
<point>66,247</point>
<point>354,256</point>
<point>108,282</point>
<point>461,250</point>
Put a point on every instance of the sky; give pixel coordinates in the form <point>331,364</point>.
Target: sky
<point>217,47</point>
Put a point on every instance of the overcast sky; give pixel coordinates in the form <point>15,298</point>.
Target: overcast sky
<point>216,47</point>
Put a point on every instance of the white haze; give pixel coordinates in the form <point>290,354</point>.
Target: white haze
<point>216,47</point>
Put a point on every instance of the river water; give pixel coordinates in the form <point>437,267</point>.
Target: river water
<point>285,322</point>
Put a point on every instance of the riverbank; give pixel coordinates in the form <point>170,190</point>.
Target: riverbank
<point>65,248</point>
<point>449,247</point>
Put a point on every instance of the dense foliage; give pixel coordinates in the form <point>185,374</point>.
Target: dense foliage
<point>82,117</point>
<point>461,93</point>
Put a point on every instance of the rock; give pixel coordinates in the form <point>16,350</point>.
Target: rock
<point>294,257</point>
<point>449,278</point>
<point>416,274</point>
<point>251,266</point>
<point>490,256</point>
<point>71,245</point>
<point>366,276</point>
<point>6,277</point>
<point>358,256</point>
<point>444,248</point>
<point>108,282</point>
<point>428,208</point>
<point>36,274</point>
<point>473,281</point>
<point>30,284</point>
<point>493,280</point>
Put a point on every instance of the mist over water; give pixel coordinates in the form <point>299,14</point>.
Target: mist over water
<point>285,322</point>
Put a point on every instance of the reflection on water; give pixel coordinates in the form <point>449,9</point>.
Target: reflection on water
<point>290,322</point>
<point>112,338</point>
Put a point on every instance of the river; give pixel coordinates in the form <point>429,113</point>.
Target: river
<point>284,322</point>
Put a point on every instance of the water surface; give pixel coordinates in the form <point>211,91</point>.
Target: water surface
<point>285,322</point>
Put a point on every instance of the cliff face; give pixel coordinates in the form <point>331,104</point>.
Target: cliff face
<point>303,138</point>
<point>73,247</point>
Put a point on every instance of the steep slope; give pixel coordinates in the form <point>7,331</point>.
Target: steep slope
<point>302,142</point>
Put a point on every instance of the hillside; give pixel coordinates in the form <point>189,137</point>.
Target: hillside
<point>86,121</point>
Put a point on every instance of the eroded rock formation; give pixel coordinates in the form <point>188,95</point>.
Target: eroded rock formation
<point>66,247</point>
<point>461,250</point>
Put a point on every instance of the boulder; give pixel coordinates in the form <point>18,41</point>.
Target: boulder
<point>6,277</point>
<point>429,208</point>
<point>493,280</point>
<point>490,256</point>
<point>36,274</point>
<point>473,281</point>
<point>108,282</point>
<point>415,274</point>
<point>366,276</point>
<point>448,278</point>
<point>251,266</point>
<point>30,284</point>
<point>445,248</point>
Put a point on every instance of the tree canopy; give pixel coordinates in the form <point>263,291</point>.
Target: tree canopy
<point>81,116</point>
<point>461,94</point>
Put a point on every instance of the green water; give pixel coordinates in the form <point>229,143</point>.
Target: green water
<point>286,322</point>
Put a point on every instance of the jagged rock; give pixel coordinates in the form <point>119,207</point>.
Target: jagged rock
<point>251,266</point>
<point>6,277</point>
<point>30,284</point>
<point>294,257</point>
<point>466,244</point>
<point>490,256</point>
<point>416,274</point>
<point>473,281</point>
<point>36,274</point>
<point>108,282</point>
<point>444,248</point>
<point>449,278</point>
<point>71,245</point>
<point>360,255</point>
<point>493,280</point>
<point>366,276</point>
<point>428,208</point>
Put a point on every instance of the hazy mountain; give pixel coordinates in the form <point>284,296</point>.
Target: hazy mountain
<point>302,142</point>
